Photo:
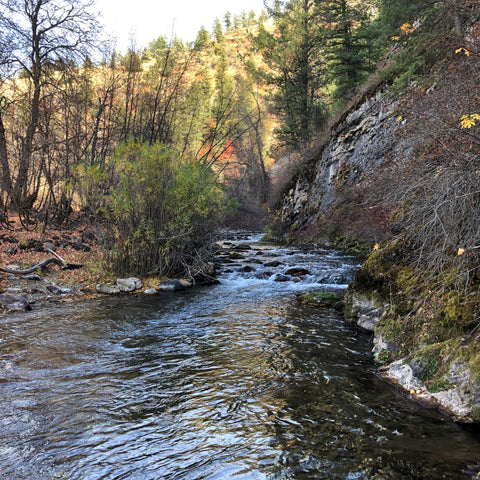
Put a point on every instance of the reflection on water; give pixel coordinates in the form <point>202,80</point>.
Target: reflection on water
<point>235,381</point>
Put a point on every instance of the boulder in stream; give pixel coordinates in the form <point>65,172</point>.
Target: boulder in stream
<point>297,272</point>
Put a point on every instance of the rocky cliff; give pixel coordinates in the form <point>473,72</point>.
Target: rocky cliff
<point>418,297</point>
<point>359,144</point>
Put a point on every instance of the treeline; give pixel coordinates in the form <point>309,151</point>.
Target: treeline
<point>155,144</point>
<point>61,122</point>
<point>208,108</point>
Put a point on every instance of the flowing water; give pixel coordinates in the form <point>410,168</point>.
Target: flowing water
<point>233,381</point>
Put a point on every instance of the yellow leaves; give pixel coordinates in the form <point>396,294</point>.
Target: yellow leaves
<point>412,391</point>
<point>464,50</point>
<point>399,118</point>
<point>468,121</point>
<point>460,252</point>
<point>407,28</point>
<point>376,246</point>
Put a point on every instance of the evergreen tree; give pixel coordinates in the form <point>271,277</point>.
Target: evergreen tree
<point>295,55</point>
<point>218,32</point>
<point>203,37</point>
<point>348,47</point>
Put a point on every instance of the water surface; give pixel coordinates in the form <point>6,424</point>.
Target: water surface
<point>234,381</point>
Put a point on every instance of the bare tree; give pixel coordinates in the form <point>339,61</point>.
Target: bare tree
<point>40,33</point>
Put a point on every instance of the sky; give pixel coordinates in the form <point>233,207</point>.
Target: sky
<point>146,20</point>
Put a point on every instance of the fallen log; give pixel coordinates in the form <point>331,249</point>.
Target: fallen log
<point>57,259</point>
<point>34,267</point>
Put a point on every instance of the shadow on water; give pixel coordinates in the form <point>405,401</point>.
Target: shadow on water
<point>234,381</point>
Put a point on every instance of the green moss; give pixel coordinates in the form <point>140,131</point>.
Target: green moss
<point>321,299</point>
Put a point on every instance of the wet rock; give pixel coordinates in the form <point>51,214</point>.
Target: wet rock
<point>247,269</point>
<point>365,312</point>
<point>172,286</point>
<point>107,289</point>
<point>127,285</point>
<point>242,247</point>
<point>32,277</point>
<point>297,272</point>
<point>334,279</point>
<point>236,256</point>
<point>54,289</point>
<point>281,278</point>
<point>273,264</point>
<point>321,299</point>
<point>14,303</point>
<point>263,275</point>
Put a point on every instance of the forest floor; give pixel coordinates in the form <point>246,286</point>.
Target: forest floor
<point>78,244</point>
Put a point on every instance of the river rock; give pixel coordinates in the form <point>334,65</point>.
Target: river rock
<point>150,291</point>
<point>247,269</point>
<point>273,264</point>
<point>281,278</point>
<point>297,272</point>
<point>14,303</point>
<point>365,312</point>
<point>171,286</point>
<point>32,277</point>
<point>334,279</point>
<point>107,289</point>
<point>127,285</point>
<point>54,289</point>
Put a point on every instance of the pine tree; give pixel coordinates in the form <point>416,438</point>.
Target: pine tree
<point>295,55</point>
<point>347,46</point>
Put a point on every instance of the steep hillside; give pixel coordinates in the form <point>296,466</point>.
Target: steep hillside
<point>400,172</point>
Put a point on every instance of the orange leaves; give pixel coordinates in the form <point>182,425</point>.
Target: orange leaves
<point>407,28</point>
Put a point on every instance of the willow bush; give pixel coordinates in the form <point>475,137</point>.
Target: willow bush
<point>163,211</point>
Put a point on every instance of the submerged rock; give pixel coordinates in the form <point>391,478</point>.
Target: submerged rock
<point>150,291</point>
<point>297,272</point>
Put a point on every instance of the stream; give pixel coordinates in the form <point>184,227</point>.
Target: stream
<point>234,381</point>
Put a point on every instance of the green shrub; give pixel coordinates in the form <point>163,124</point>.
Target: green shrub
<point>163,211</point>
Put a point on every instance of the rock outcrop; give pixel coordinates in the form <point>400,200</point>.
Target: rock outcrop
<point>359,143</point>
<point>432,354</point>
